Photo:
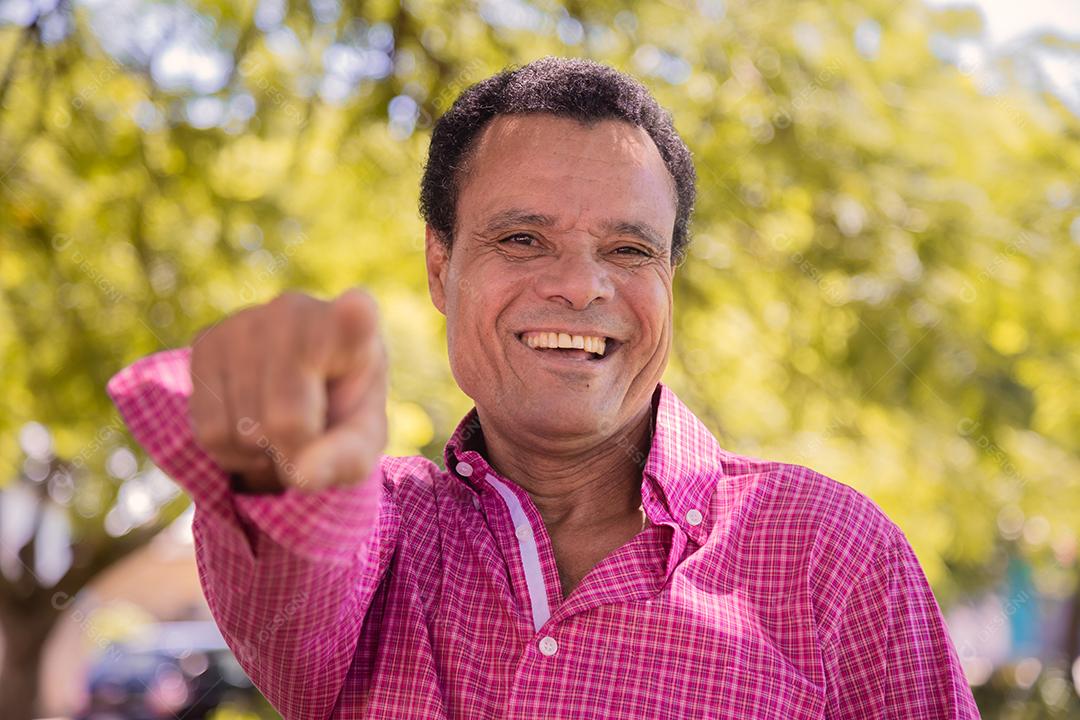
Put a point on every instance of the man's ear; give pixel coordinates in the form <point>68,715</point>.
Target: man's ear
<point>437,255</point>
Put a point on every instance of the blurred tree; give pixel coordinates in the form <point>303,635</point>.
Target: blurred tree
<point>882,283</point>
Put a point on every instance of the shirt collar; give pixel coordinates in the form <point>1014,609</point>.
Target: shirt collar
<point>684,464</point>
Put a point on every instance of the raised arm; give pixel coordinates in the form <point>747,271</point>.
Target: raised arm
<point>274,423</point>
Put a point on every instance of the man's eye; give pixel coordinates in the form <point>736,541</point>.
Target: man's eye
<point>632,251</point>
<point>518,238</point>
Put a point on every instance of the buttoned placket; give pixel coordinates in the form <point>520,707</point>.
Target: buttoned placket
<point>530,552</point>
<point>519,535</point>
<point>537,587</point>
<point>526,549</point>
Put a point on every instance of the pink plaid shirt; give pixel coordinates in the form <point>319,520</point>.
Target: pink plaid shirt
<point>758,590</point>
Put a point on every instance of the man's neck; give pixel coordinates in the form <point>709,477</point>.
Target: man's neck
<point>588,483</point>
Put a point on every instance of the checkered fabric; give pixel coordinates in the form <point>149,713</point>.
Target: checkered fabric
<point>757,589</point>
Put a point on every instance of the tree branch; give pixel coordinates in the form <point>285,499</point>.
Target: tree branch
<point>9,71</point>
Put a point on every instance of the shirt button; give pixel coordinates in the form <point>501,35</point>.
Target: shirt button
<point>523,532</point>
<point>693,516</point>
<point>464,468</point>
<point>548,646</point>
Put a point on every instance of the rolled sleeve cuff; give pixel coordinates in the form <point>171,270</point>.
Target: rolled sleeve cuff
<point>331,525</point>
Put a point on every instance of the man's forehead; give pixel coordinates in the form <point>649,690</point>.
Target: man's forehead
<point>519,156</point>
<point>536,131</point>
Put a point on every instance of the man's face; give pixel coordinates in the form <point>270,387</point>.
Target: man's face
<point>561,228</point>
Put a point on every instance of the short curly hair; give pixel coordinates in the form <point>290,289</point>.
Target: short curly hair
<point>575,88</point>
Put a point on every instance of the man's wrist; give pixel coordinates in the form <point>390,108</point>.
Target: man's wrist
<point>242,484</point>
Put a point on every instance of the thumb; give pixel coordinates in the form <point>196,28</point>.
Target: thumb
<point>349,450</point>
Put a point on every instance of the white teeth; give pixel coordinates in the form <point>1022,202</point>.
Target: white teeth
<point>590,343</point>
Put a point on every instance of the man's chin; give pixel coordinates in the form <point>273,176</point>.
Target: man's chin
<point>567,414</point>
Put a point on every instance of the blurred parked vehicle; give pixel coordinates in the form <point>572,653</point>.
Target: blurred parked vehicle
<point>175,670</point>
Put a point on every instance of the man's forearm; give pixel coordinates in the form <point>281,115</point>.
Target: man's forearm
<point>288,576</point>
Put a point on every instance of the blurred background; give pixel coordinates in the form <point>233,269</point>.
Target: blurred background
<point>883,283</point>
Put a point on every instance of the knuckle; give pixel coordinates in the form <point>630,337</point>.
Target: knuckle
<point>290,301</point>
<point>251,442</point>
<point>246,435</point>
<point>317,340</point>
<point>286,427</point>
<point>367,300</point>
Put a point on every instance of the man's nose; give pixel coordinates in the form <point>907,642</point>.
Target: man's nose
<point>577,279</point>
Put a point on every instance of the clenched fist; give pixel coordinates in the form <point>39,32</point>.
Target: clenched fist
<point>292,393</point>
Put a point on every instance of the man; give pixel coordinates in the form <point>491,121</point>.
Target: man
<point>589,551</point>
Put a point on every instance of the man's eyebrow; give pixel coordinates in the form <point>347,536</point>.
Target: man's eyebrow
<point>641,231</point>
<point>514,217</point>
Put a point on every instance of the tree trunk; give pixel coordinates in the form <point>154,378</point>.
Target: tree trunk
<point>24,644</point>
<point>1072,632</point>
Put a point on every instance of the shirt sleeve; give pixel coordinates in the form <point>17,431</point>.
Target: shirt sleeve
<point>890,655</point>
<point>288,578</point>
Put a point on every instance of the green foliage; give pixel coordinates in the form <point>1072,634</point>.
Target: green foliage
<point>881,285</point>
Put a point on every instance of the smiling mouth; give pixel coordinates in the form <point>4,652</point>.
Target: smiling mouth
<point>589,348</point>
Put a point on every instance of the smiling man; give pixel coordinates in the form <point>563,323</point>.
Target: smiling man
<point>589,550</point>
